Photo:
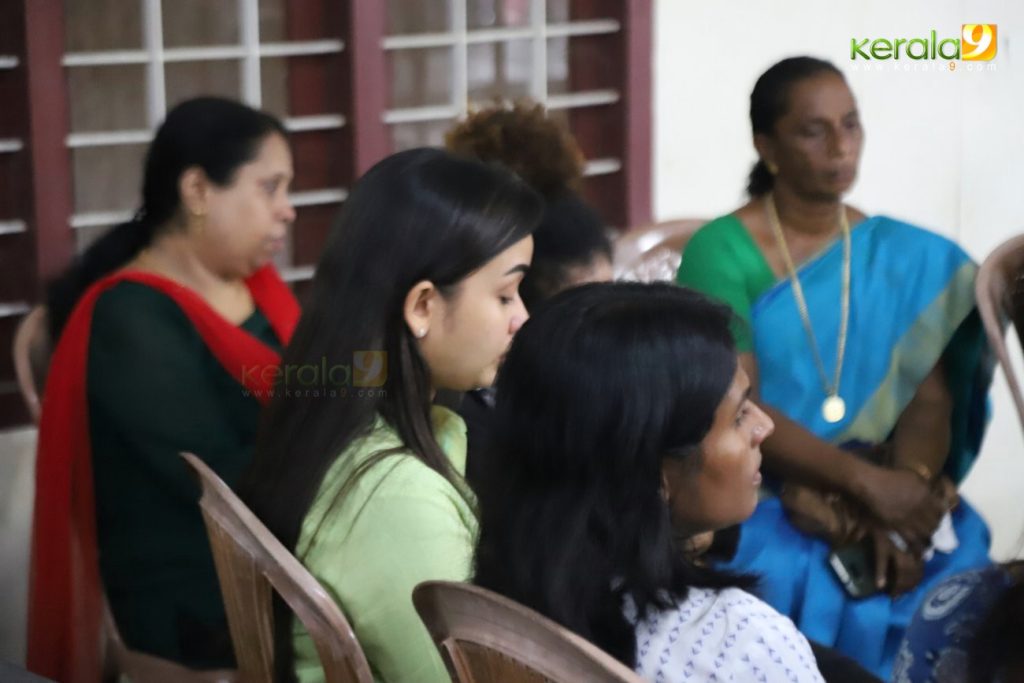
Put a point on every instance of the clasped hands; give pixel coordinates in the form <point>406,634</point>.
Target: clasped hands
<point>897,510</point>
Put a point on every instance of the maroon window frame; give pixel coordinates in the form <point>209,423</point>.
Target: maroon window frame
<point>35,182</point>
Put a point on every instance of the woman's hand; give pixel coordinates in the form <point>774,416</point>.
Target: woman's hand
<point>896,571</point>
<point>901,501</point>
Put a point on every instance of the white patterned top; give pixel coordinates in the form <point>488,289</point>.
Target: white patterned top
<point>726,635</point>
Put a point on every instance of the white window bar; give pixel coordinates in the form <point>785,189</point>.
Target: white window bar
<point>97,219</point>
<point>8,62</point>
<point>301,48</point>
<point>133,137</point>
<point>206,53</point>
<point>107,58</point>
<point>595,27</point>
<point>11,309</point>
<point>475,37</point>
<point>579,28</point>
<point>297,273</point>
<point>12,227</point>
<point>460,58</point>
<point>498,35</point>
<point>588,98</point>
<point>460,38</point>
<point>153,40</point>
<point>539,76</point>
<point>298,124</point>
<point>421,114</point>
<point>154,56</point>
<point>308,198</point>
<point>318,197</point>
<point>8,145</point>
<point>249,29</point>
<point>419,40</point>
<point>195,54</point>
<point>101,139</point>
<point>602,167</point>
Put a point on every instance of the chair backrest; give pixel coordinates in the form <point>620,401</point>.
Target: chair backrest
<point>31,351</point>
<point>999,290</point>
<point>485,637</point>
<point>652,253</point>
<point>252,564</point>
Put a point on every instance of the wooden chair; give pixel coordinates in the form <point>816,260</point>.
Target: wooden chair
<point>999,290</point>
<point>31,350</point>
<point>251,564</point>
<point>485,637</point>
<point>652,253</point>
<point>139,667</point>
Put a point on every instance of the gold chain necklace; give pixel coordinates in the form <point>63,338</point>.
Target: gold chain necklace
<point>833,409</point>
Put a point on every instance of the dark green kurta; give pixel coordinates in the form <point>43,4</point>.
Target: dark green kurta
<point>155,389</point>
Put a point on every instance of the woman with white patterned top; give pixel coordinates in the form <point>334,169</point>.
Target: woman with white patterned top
<point>623,430</point>
<point>723,635</point>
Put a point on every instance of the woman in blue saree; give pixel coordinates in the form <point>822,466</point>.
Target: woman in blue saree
<point>864,340</point>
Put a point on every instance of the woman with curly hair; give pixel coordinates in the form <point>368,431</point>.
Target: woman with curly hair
<point>571,244</point>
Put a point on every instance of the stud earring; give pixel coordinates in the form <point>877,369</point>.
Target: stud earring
<point>772,168</point>
<point>421,333</point>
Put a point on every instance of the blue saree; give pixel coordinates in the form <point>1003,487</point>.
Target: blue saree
<point>912,303</point>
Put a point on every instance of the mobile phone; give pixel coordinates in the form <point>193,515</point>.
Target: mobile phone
<point>854,566</point>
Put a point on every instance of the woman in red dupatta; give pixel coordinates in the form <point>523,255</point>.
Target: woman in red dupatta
<point>167,326</point>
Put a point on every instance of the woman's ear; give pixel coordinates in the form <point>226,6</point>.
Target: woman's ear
<point>420,305</point>
<point>765,149</point>
<point>193,187</point>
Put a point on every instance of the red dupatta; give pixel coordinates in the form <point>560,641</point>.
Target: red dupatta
<point>65,594</point>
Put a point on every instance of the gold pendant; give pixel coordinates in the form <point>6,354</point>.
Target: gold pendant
<point>833,409</point>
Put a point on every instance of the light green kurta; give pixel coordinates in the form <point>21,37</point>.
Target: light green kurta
<point>400,524</point>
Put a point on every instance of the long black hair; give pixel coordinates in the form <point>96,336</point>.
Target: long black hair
<point>600,385</point>
<point>211,133</point>
<point>418,215</point>
<point>769,101</point>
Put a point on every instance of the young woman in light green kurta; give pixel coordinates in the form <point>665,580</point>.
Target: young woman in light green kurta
<point>356,471</point>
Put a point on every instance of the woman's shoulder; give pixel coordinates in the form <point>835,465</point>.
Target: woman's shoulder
<point>375,483</point>
<point>725,242</point>
<point>894,239</point>
<point>131,293</point>
<point>133,317</point>
<point>383,468</point>
<point>896,228</point>
<point>724,228</point>
<point>401,468</point>
<point>737,604</point>
<point>138,305</point>
<point>728,631</point>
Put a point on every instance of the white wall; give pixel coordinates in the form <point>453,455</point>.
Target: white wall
<point>944,150</point>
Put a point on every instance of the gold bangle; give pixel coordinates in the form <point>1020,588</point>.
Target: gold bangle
<point>918,468</point>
